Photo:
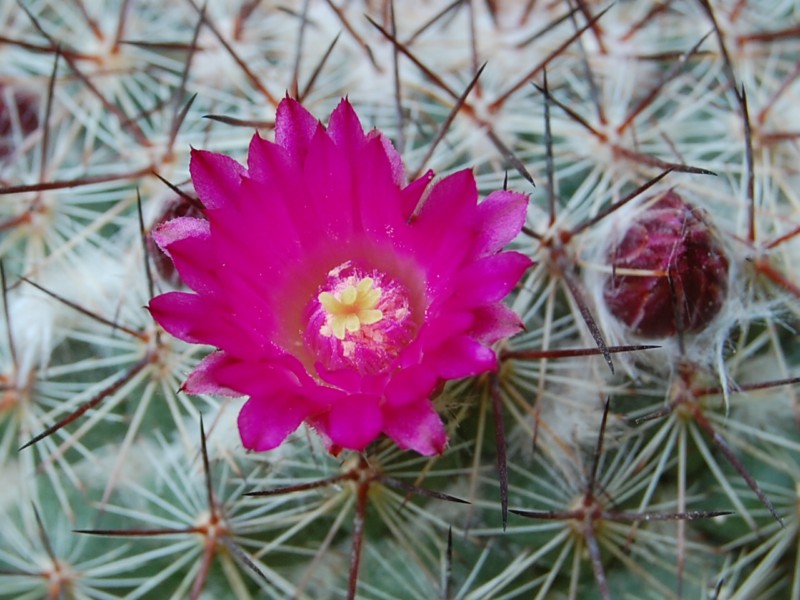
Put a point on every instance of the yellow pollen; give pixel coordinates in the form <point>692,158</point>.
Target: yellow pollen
<point>354,307</point>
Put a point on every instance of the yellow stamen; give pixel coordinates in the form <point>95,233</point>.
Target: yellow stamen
<point>354,307</point>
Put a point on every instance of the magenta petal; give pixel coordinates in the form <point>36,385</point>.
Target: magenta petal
<point>283,246</point>
<point>294,129</point>
<point>379,200</point>
<point>278,185</point>
<point>409,385</point>
<point>448,324</point>
<point>443,227</point>
<point>395,160</point>
<point>489,279</point>
<point>216,178</point>
<point>345,129</point>
<point>464,357</point>
<point>265,378</point>
<point>413,192</point>
<point>451,201</point>
<point>330,183</point>
<point>202,380</point>
<point>186,241</point>
<point>499,219</point>
<point>416,427</point>
<point>455,195</point>
<point>197,320</point>
<point>270,163</point>
<point>354,422</point>
<point>188,317</point>
<point>180,228</point>
<point>265,422</point>
<point>495,322</point>
<point>344,379</point>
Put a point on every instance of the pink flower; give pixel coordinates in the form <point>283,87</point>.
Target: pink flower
<point>336,294</point>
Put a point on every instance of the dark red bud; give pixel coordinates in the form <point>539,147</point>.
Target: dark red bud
<point>19,113</point>
<point>684,271</point>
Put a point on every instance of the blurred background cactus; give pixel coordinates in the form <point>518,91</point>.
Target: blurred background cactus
<point>640,438</point>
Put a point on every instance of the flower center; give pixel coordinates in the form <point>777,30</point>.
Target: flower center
<point>351,308</point>
<point>361,318</point>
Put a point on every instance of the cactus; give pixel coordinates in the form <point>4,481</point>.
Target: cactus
<point>637,438</point>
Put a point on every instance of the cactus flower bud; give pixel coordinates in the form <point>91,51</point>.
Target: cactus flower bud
<point>669,271</point>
